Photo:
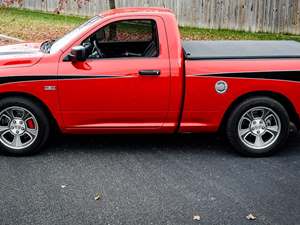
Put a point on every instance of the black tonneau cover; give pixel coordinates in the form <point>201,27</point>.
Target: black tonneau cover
<point>197,50</point>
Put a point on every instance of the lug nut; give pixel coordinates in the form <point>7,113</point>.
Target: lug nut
<point>17,132</point>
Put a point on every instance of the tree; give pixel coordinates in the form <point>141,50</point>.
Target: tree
<point>112,27</point>
<point>112,4</point>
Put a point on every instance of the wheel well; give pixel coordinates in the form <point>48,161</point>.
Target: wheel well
<point>286,103</point>
<point>36,100</point>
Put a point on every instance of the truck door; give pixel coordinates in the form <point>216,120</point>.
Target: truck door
<point>125,81</point>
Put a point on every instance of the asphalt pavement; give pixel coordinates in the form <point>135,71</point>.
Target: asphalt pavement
<point>149,180</point>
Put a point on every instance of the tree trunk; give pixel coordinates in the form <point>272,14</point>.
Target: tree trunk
<point>112,4</point>
<point>112,27</point>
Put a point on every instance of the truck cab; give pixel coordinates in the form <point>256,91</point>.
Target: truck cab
<point>132,69</point>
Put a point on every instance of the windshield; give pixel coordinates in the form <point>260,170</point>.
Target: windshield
<point>57,45</point>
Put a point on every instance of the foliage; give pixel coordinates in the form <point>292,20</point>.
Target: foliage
<point>61,3</point>
<point>80,3</point>
<point>12,2</point>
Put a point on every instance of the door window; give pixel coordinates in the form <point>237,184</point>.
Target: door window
<point>127,38</point>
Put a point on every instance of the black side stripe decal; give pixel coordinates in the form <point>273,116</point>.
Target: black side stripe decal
<point>13,79</point>
<point>274,75</point>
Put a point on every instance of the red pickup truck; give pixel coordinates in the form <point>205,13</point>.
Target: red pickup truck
<point>127,71</point>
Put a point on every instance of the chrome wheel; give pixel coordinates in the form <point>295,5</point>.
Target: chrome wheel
<point>18,127</point>
<point>259,128</point>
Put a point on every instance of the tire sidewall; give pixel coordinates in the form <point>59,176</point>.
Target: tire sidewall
<point>232,126</point>
<point>41,119</point>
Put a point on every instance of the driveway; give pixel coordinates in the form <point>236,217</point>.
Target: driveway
<point>149,180</point>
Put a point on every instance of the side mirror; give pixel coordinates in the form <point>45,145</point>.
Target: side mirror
<point>77,54</point>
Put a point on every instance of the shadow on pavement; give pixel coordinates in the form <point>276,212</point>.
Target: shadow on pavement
<point>192,143</point>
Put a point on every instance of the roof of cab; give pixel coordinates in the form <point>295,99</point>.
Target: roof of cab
<point>136,10</point>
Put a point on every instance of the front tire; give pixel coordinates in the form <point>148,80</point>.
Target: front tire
<point>259,126</point>
<point>24,126</point>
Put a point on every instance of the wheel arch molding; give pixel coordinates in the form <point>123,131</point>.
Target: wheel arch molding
<point>54,121</point>
<point>282,99</point>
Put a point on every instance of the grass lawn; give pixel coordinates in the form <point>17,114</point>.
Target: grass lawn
<point>37,26</point>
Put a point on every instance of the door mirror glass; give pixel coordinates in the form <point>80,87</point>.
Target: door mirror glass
<point>77,54</point>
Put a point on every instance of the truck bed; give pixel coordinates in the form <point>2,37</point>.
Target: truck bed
<point>197,50</point>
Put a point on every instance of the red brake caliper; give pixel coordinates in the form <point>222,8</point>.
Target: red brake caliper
<point>30,124</point>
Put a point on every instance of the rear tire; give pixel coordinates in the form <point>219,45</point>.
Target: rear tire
<point>24,126</point>
<point>258,127</point>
